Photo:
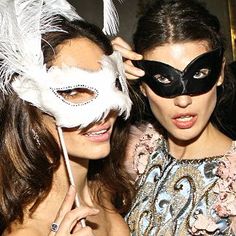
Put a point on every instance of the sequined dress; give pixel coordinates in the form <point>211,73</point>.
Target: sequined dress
<point>178,197</point>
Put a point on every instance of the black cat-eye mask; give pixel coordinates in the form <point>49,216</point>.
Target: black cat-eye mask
<point>198,77</point>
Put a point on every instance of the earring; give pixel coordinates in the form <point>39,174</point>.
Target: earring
<point>36,138</point>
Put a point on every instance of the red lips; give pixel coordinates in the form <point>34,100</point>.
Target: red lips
<point>185,120</point>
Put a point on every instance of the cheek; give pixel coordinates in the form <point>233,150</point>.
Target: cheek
<point>157,104</point>
<point>75,143</point>
<point>72,138</point>
<point>208,102</point>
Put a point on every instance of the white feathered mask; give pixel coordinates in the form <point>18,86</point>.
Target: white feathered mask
<point>22,22</point>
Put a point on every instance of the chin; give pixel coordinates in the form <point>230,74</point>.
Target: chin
<point>98,152</point>
<point>186,135</point>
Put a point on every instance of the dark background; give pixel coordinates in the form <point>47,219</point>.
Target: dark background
<point>92,11</point>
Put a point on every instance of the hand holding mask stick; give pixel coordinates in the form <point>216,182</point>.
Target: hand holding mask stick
<point>25,71</point>
<point>69,171</point>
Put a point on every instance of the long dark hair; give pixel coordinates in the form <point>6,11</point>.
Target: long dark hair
<point>26,168</point>
<point>174,21</point>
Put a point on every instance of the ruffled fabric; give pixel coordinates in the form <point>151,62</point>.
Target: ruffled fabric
<point>143,141</point>
<point>147,144</point>
<point>225,189</point>
<point>203,225</point>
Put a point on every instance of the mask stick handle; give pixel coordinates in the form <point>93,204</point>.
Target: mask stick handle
<point>69,171</point>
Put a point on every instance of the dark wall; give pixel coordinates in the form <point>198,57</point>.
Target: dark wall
<point>220,9</point>
<point>91,10</point>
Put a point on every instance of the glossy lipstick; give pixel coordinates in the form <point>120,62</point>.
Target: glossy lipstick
<point>184,121</point>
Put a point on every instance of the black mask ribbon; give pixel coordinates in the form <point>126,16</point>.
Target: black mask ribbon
<point>198,77</point>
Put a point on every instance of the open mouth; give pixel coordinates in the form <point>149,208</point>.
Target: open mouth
<point>97,133</point>
<point>184,118</point>
<point>184,121</point>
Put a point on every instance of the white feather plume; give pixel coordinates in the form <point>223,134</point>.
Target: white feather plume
<point>63,8</point>
<point>22,22</point>
<point>110,18</point>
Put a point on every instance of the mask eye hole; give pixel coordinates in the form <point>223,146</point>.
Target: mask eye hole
<point>202,73</point>
<point>77,95</point>
<point>118,84</point>
<point>162,79</point>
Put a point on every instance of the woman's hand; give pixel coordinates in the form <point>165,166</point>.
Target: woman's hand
<point>67,221</point>
<point>128,54</point>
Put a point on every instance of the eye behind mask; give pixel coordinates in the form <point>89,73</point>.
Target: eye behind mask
<point>198,77</point>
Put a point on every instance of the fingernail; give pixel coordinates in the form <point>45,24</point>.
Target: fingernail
<point>140,72</point>
<point>140,57</point>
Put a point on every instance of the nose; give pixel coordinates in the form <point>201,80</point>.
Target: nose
<point>183,101</point>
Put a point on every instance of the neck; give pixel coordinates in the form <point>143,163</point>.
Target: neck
<point>211,142</point>
<point>52,203</point>
<point>79,169</point>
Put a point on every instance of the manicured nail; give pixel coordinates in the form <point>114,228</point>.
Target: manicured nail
<point>139,57</point>
<point>140,72</point>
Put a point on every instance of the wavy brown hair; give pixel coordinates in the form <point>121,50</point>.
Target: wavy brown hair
<point>26,169</point>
